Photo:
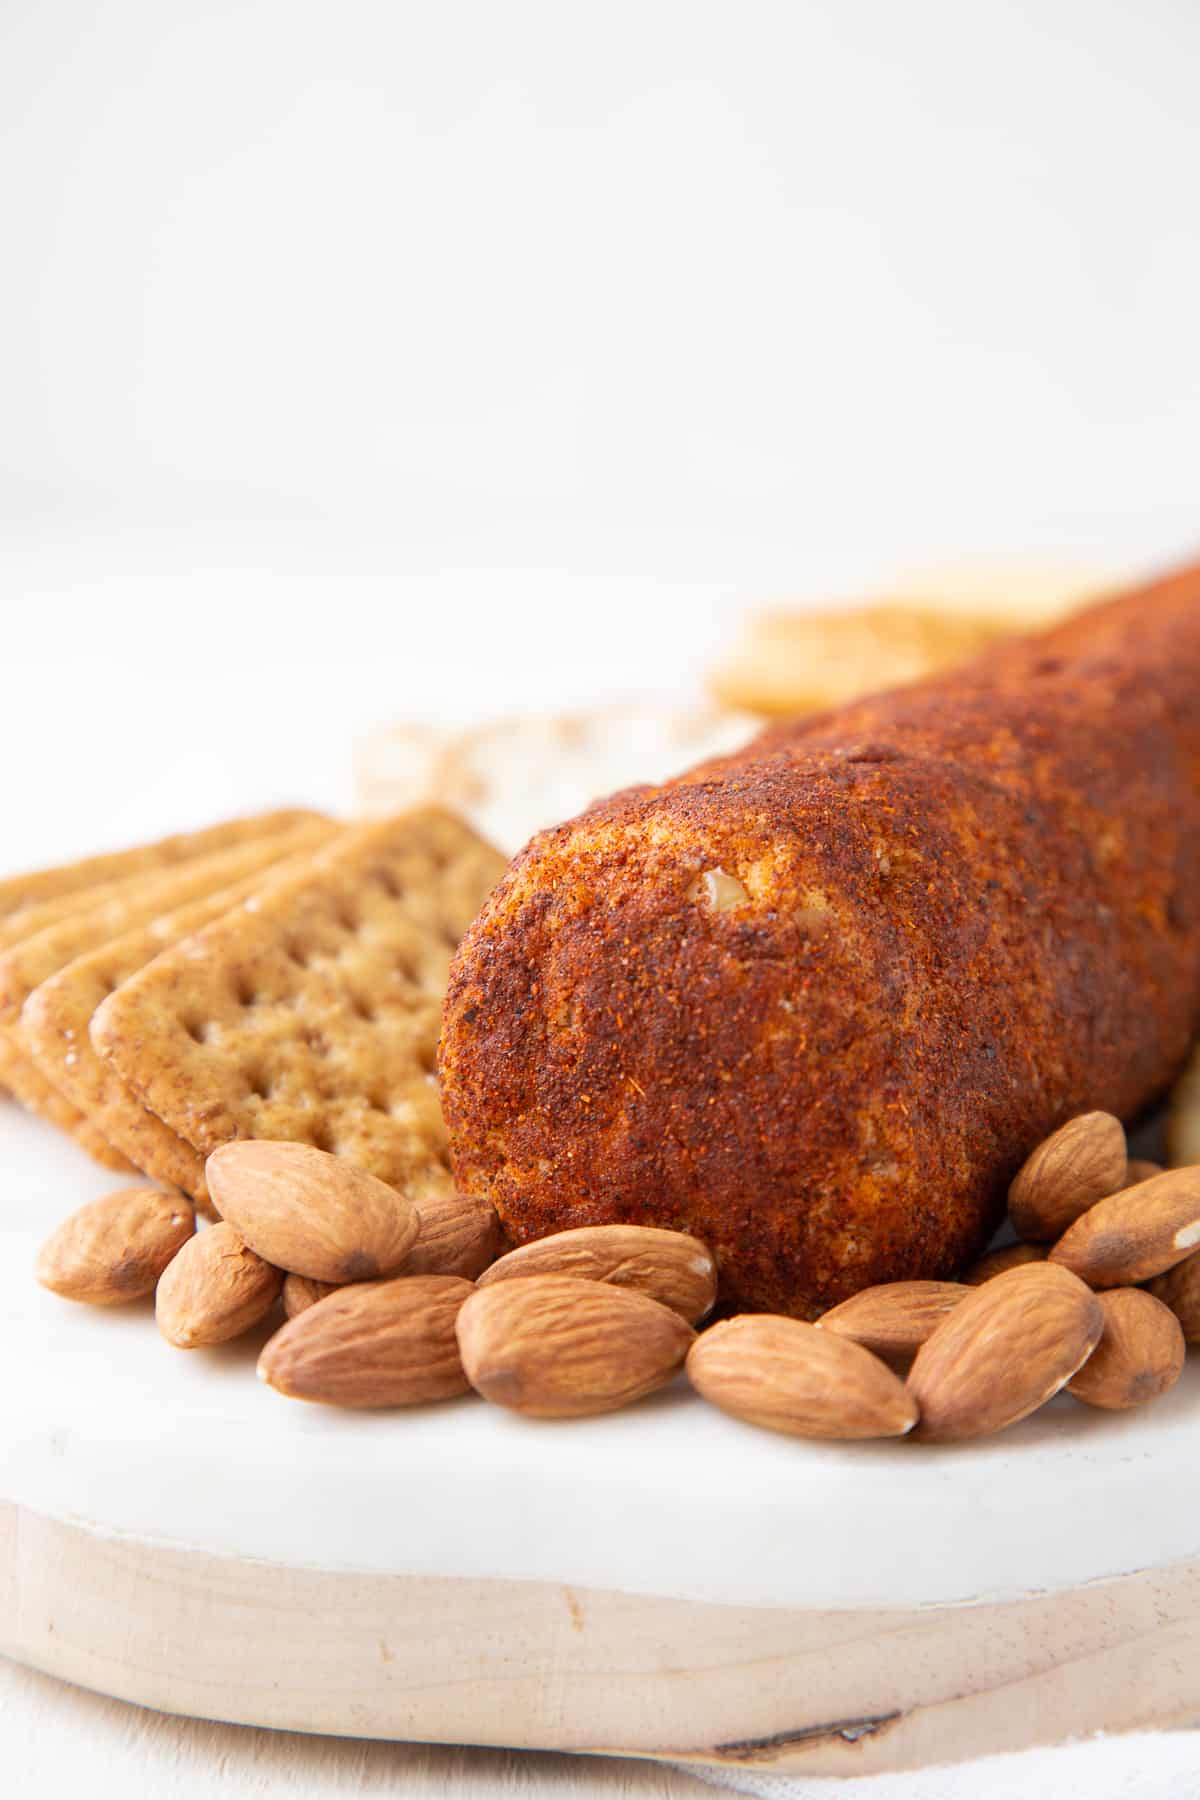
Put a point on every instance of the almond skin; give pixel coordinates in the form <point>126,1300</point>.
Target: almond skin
<point>113,1250</point>
<point>1179,1289</point>
<point>560,1347</point>
<point>1009,1346</point>
<point>458,1236</point>
<point>894,1319</point>
<point>299,1293</point>
<point>214,1290</point>
<point>1013,1256</point>
<point>800,1379</point>
<point>1139,1170</point>
<point>309,1212</point>
<point>377,1343</point>
<point>1084,1161</point>
<point>1139,1357</point>
<point>676,1270</point>
<point>1134,1235</point>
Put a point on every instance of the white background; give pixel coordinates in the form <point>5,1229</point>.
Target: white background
<point>373,357</point>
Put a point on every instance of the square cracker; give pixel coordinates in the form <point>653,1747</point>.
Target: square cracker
<point>42,887</point>
<point>312,1011</point>
<point>53,1033</point>
<point>134,901</point>
<point>40,1096</point>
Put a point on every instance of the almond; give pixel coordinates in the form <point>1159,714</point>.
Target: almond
<point>1135,1234</point>
<point>800,1379</point>
<point>558,1347</point>
<point>1140,1355</point>
<point>894,1320</point>
<point>1083,1162</point>
<point>376,1343</point>
<point>1139,1170</point>
<point>1179,1289</point>
<point>309,1212</point>
<point>1013,1256</point>
<point>458,1236</point>
<point>676,1270</point>
<point>115,1249</point>
<point>299,1293</point>
<point>214,1290</point>
<point>1008,1347</point>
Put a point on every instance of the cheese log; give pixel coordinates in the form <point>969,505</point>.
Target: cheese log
<point>816,1002</point>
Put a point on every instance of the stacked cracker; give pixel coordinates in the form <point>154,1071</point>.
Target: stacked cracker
<point>271,977</point>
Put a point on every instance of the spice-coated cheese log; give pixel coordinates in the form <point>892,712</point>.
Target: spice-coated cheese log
<point>817,1001</point>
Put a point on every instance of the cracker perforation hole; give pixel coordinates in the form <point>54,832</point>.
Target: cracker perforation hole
<point>246,991</point>
<point>346,917</point>
<point>300,954</point>
<point>322,1138</point>
<point>362,1009</point>
<point>385,879</point>
<point>202,1031</point>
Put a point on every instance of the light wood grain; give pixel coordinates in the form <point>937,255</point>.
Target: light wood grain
<point>56,1739</point>
<point>539,1665</point>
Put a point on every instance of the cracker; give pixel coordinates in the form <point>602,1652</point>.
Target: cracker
<point>311,1012</point>
<point>788,664</point>
<point>53,1032</point>
<point>39,1095</point>
<point>42,886</point>
<point>24,965</point>
<point>54,1026</point>
<point>137,900</point>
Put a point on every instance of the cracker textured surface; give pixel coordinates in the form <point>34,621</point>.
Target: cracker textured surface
<point>42,886</point>
<point>311,1012</point>
<point>54,1034</point>
<point>24,965</point>
<point>133,901</point>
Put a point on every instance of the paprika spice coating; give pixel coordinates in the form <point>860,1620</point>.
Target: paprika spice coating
<point>816,1002</point>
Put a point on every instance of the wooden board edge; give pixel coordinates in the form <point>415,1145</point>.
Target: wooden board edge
<point>533,1665</point>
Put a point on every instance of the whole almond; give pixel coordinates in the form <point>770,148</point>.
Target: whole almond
<point>115,1249</point>
<point>1179,1289</point>
<point>1081,1163</point>
<point>894,1320</point>
<point>1135,1234</point>
<point>377,1343</point>
<point>799,1379</point>
<point>299,1293</point>
<point>676,1270</point>
<point>458,1236</point>
<point>214,1290</point>
<point>1140,1355</point>
<point>1013,1256</point>
<point>309,1212</point>
<point>1009,1346</point>
<point>560,1347</point>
